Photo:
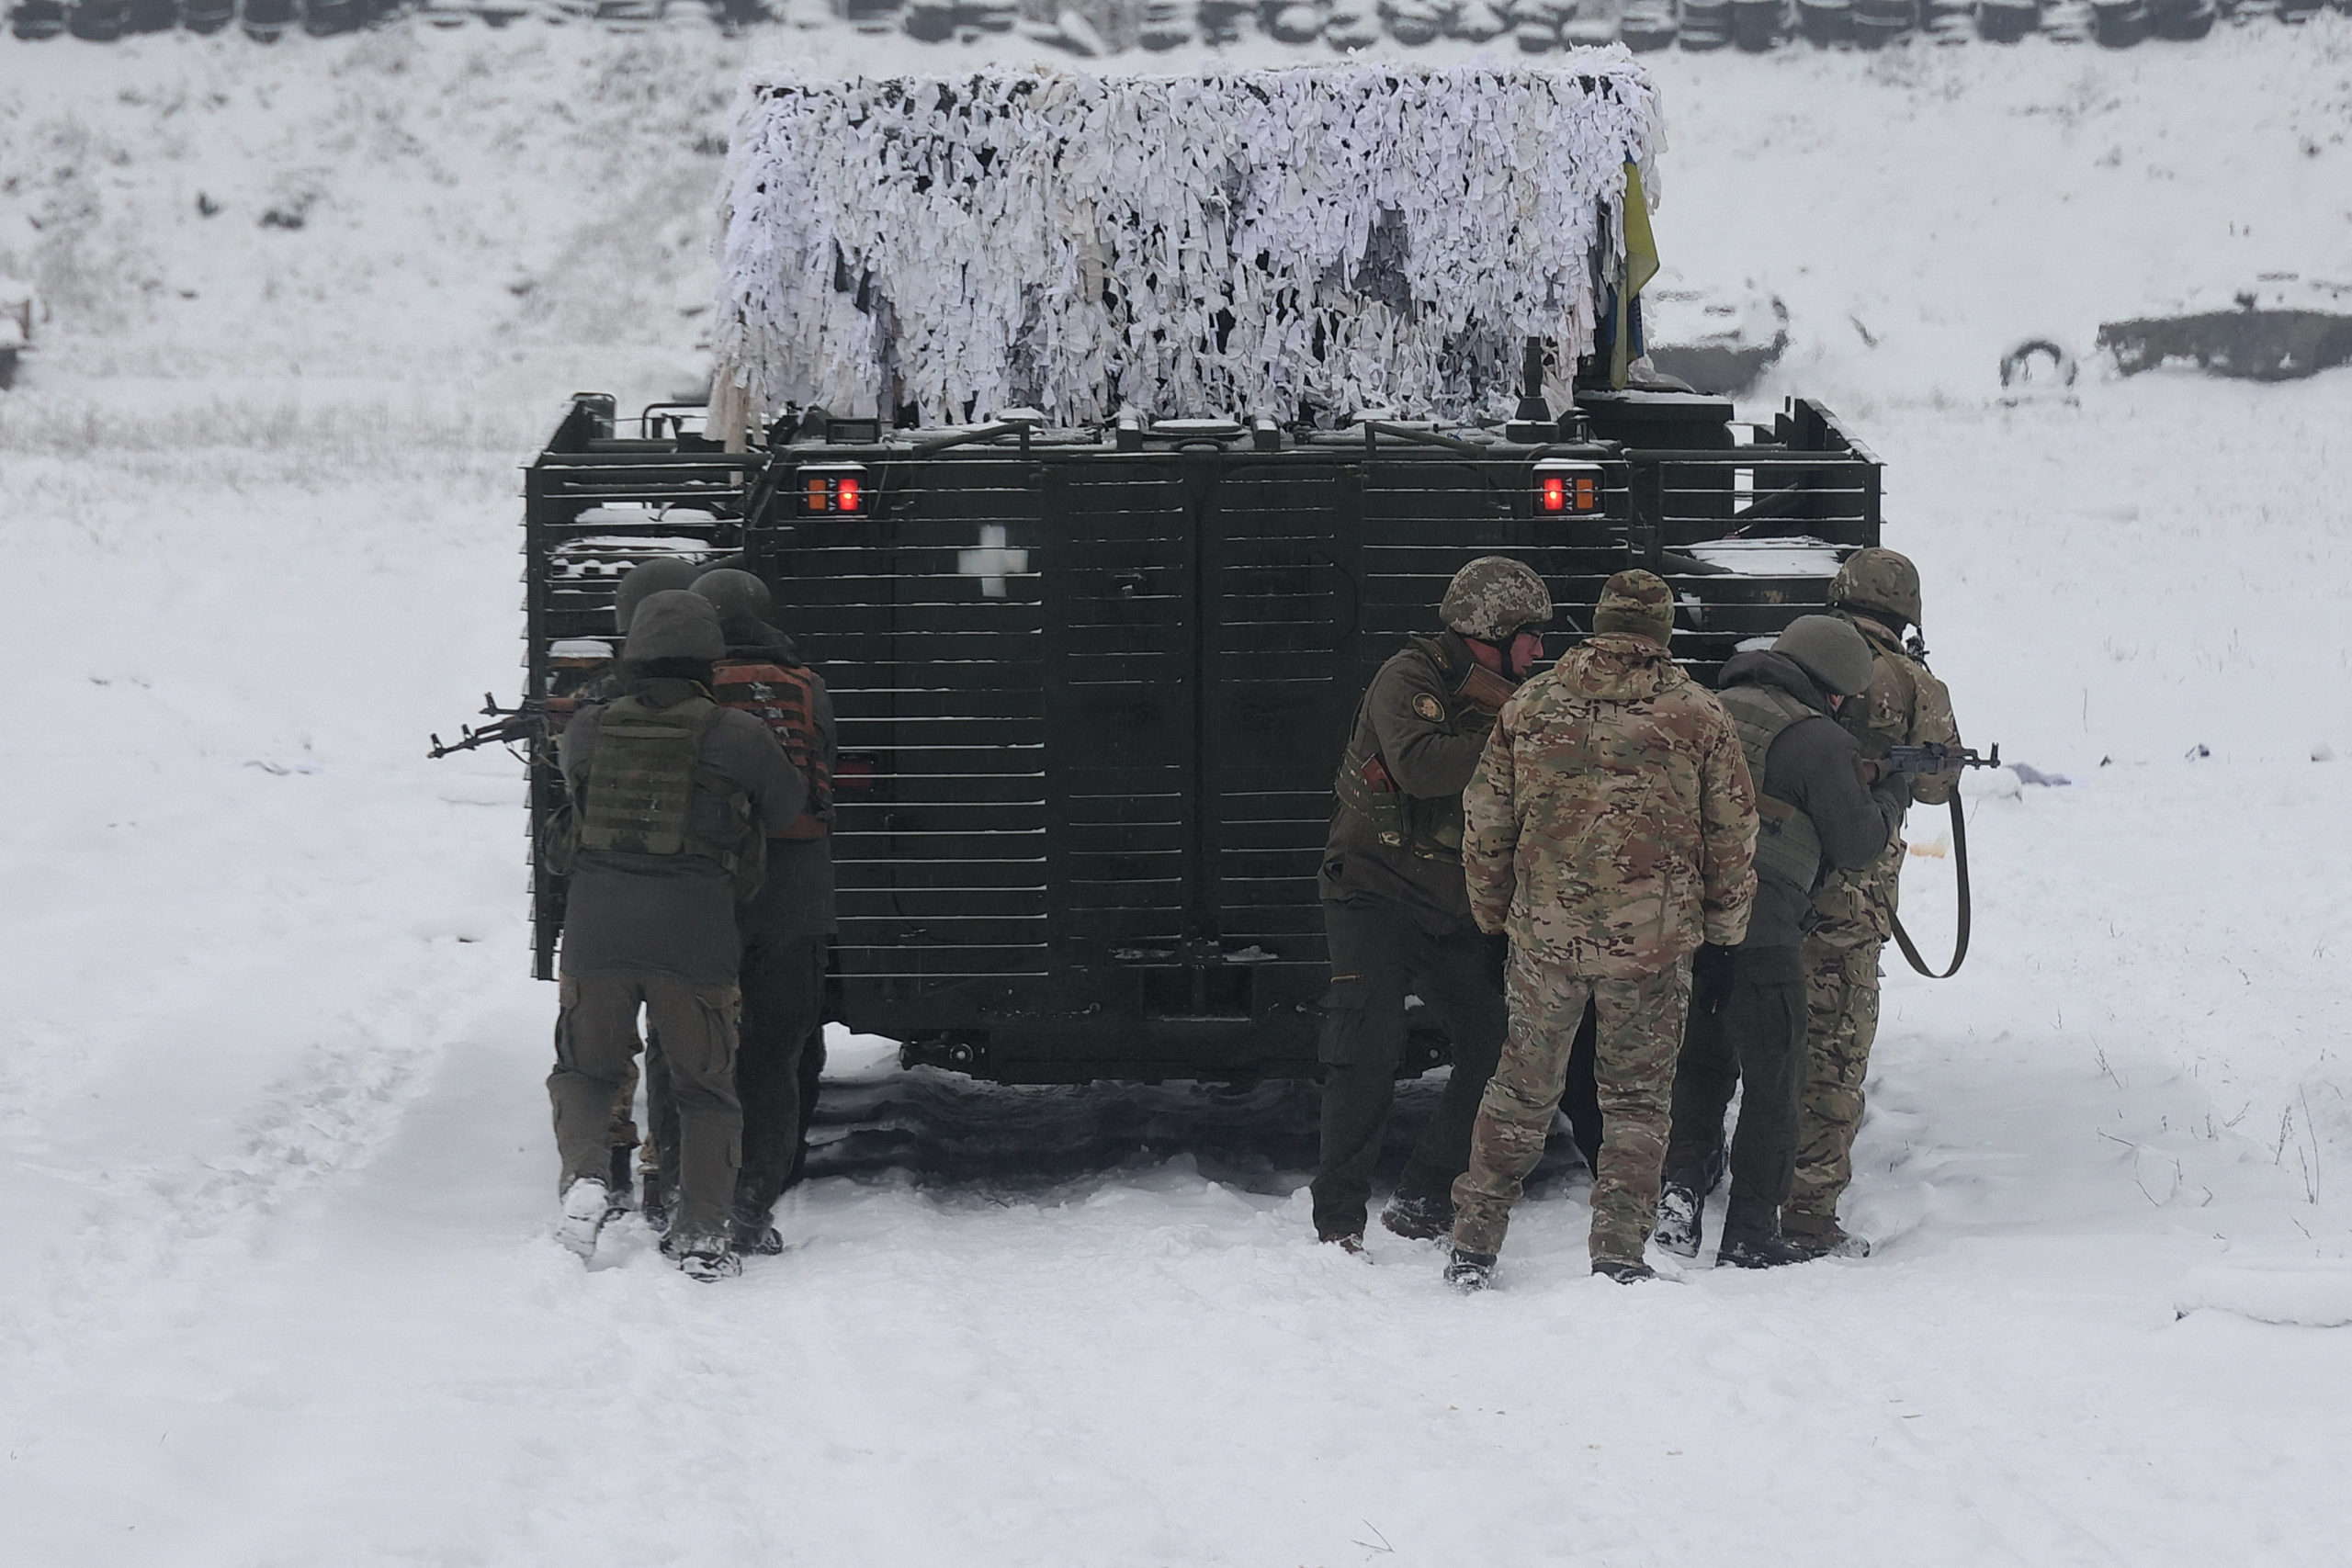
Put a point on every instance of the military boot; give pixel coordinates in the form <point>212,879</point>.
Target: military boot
<point>1677,1220</point>
<point>755,1237</point>
<point>1822,1237</point>
<point>1752,1237</point>
<point>1623,1270</point>
<point>704,1257</point>
<point>1470,1271</point>
<point>586,1203</point>
<point>1419,1216</point>
<point>1759,1249</point>
<point>618,1198</point>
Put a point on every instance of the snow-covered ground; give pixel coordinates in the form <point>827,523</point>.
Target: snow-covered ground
<point>280,1288</point>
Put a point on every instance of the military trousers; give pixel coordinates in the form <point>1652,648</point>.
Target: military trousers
<point>1747,1029</point>
<point>1640,1034</point>
<point>595,1041</point>
<point>1378,953</point>
<point>1841,1003</point>
<point>783,984</point>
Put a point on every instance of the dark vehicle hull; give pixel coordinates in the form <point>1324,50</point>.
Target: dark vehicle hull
<point>1090,699</point>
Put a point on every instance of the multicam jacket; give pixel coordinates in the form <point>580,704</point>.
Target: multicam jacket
<point>1612,824</point>
<point>1905,706</point>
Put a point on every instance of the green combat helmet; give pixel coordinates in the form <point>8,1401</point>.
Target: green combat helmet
<point>1636,603</point>
<point>736,594</point>
<point>1881,582</point>
<point>1830,652</point>
<point>1493,597</point>
<point>648,577</point>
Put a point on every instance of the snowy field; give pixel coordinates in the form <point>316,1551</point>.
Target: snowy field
<point>281,1291</point>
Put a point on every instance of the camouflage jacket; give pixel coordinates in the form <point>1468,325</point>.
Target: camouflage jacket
<point>1612,825</point>
<point>1905,706</point>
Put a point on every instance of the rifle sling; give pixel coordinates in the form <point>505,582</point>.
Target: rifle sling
<point>1959,939</point>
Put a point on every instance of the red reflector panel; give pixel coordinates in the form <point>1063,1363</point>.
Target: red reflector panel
<point>846,494</point>
<point>1555,496</point>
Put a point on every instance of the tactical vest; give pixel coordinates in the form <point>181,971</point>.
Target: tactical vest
<point>640,786</point>
<point>1429,829</point>
<point>1787,846</point>
<point>784,697</point>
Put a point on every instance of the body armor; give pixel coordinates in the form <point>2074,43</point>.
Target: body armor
<point>783,697</point>
<point>1787,846</point>
<point>638,797</point>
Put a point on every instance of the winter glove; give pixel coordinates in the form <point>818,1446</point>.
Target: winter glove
<point>1711,977</point>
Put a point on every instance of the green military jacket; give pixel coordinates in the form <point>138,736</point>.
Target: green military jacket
<point>1611,823</point>
<point>1427,737</point>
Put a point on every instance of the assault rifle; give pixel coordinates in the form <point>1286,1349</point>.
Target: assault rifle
<point>528,722</point>
<point>1935,758</point>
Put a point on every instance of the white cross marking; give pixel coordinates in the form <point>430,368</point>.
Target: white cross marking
<point>991,563</point>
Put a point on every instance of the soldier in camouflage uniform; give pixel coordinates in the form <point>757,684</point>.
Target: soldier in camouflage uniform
<point>1609,829</point>
<point>1877,592</point>
<point>1394,910</point>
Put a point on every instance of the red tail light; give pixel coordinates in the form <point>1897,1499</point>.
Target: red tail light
<point>1564,488</point>
<point>832,490</point>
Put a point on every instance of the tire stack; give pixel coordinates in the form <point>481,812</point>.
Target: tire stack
<point>2184,21</point>
<point>1414,22</point>
<point>1826,24</point>
<point>2006,21</point>
<point>1706,24</point>
<point>1649,25</point>
<point>1298,21</point>
<point>2118,24</point>
<point>1758,26</point>
<point>1480,21</point>
<point>1878,23</point>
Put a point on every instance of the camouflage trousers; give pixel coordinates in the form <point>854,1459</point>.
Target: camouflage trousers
<point>1841,1005</point>
<point>1640,1035</point>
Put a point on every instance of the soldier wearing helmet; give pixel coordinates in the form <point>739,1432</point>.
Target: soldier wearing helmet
<point>1747,1003</point>
<point>1877,593</point>
<point>1395,909</point>
<point>786,927</point>
<point>1609,829</point>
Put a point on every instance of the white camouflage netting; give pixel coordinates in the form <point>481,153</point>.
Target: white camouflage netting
<point>1382,236</point>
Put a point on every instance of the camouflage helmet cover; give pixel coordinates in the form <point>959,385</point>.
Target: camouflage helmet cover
<point>1880,580</point>
<point>648,577</point>
<point>1493,597</point>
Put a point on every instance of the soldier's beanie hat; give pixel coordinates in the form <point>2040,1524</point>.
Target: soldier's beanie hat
<point>674,624</point>
<point>735,595</point>
<point>1830,652</point>
<point>649,577</point>
<point>1637,603</point>
<point>1493,597</point>
<point>1879,579</point>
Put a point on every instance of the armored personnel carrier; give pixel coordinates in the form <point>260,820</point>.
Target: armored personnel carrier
<point>1094,658</point>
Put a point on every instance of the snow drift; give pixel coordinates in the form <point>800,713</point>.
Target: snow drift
<point>1235,242</point>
